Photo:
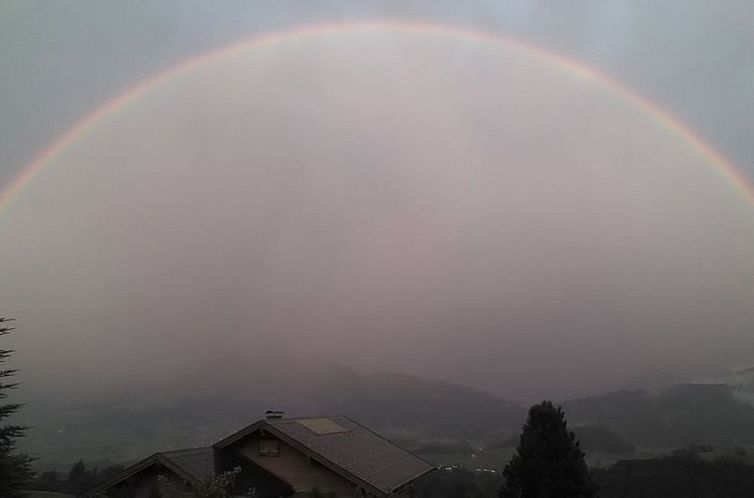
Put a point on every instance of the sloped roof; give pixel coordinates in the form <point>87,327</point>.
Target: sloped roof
<point>346,447</point>
<point>199,463</point>
<point>193,465</point>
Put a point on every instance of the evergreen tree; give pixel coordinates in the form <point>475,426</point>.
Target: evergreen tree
<point>15,468</point>
<point>79,478</point>
<point>549,462</point>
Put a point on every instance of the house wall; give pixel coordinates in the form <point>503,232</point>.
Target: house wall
<point>146,484</point>
<point>301,473</point>
<point>252,476</point>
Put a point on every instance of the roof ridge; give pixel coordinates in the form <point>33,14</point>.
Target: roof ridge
<point>186,450</point>
<point>131,469</point>
<point>192,448</point>
<point>304,417</point>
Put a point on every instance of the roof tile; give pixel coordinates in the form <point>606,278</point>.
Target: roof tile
<point>359,451</point>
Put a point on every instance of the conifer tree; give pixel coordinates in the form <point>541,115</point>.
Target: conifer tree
<point>549,462</point>
<point>15,468</point>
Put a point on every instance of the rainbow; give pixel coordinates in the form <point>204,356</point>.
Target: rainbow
<point>660,116</point>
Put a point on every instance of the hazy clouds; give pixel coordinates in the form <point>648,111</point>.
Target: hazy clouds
<point>392,201</point>
<point>62,60</point>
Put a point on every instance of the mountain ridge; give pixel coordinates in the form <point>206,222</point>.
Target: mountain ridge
<point>199,409</point>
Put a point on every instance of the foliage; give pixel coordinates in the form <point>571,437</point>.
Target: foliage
<point>679,475</point>
<point>78,479</point>
<point>15,468</point>
<point>549,462</point>
<point>221,485</point>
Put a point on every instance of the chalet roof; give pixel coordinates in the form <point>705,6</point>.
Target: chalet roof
<point>199,463</point>
<point>346,447</point>
<point>194,465</point>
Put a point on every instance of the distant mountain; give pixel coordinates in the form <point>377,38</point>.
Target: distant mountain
<point>430,408</point>
<point>688,414</point>
<point>388,401</point>
<point>200,409</point>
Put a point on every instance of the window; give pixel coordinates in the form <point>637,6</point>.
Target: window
<point>269,447</point>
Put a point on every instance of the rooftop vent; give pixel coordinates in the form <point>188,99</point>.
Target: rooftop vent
<point>273,414</point>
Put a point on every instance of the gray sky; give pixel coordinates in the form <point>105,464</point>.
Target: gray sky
<point>392,201</point>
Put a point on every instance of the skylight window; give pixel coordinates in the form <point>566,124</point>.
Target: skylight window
<point>322,426</point>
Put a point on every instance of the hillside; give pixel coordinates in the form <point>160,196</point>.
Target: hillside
<point>687,414</point>
<point>200,410</point>
<point>683,477</point>
<point>445,422</point>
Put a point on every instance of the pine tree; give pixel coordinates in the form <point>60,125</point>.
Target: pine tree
<point>15,468</point>
<point>79,478</point>
<point>549,462</point>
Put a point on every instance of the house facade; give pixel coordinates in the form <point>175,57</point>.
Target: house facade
<point>274,457</point>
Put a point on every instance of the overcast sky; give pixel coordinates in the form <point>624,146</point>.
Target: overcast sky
<point>389,199</point>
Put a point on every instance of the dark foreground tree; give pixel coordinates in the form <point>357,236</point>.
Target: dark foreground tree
<point>549,462</point>
<point>15,468</point>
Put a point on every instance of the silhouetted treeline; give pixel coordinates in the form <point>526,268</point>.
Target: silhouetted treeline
<point>78,479</point>
<point>680,475</point>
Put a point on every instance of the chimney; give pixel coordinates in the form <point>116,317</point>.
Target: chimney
<point>273,414</point>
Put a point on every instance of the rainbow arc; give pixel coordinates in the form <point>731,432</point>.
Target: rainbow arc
<point>661,117</point>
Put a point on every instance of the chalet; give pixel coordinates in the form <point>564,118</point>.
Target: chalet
<point>275,457</point>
